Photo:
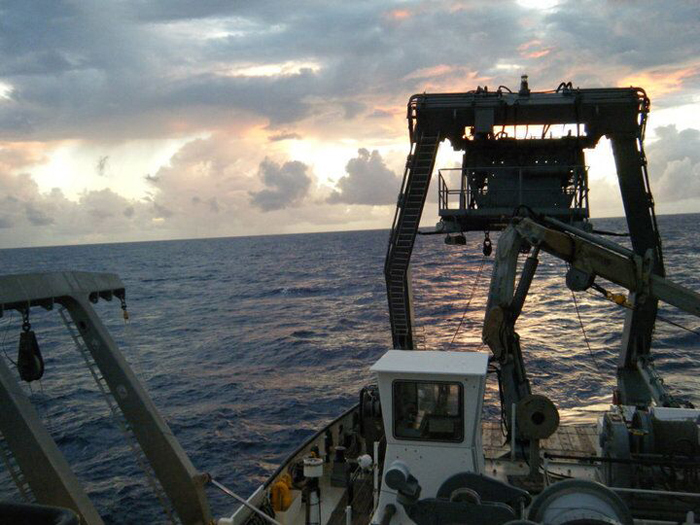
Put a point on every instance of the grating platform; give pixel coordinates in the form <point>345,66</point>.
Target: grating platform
<point>579,440</point>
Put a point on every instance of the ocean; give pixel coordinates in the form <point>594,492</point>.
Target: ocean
<point>248,345</point>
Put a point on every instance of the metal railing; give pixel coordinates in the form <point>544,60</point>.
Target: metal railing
<point>497,187</point>
<point>397,210</point>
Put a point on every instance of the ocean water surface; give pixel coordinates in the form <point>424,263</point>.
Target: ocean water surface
<point>249,345</point>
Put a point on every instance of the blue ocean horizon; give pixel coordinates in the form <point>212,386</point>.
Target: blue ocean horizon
<point>263,235</point>
<point>248,345</point>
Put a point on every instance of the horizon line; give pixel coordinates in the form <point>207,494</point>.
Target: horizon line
<point>180,239</point>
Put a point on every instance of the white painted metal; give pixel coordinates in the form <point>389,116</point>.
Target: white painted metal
<point>313,467</point>
<point>227,521</point>
<point>432,362</point>
<point>432,462</point>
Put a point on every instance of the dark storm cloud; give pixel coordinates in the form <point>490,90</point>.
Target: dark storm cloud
<point>280,99</point>
<point>129,68</point>
<point>368,181</point>
<point>77,67</point>
<point>637,34</point>
<point>286,185</point>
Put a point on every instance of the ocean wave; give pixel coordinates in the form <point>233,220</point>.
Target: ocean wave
<point>249,345</point>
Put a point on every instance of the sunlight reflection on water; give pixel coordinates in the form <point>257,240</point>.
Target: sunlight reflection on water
<point>248,345</point>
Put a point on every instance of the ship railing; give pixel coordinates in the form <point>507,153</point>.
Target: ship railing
<point>397,211</point>
<point>499,189</point>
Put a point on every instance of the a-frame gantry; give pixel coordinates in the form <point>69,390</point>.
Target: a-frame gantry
<point>494,164</point>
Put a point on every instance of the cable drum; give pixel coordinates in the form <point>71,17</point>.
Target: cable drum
<point>579,502</point>
<point>536,417</point>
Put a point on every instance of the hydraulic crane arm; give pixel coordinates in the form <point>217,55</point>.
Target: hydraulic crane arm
<point>609,261</point>
<point>589,257</point>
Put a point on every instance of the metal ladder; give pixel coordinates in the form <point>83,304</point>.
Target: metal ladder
<point>15,472</point>
<point>117,414</point>
<point>414,189</point>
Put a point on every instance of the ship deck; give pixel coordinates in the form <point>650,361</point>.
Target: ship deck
<point>574,440</point>
<point>569,440</point>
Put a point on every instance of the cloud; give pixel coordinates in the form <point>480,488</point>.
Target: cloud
<point>284,136</point>
<point>368,181</point>
<point>380,113</point>
<point>36,216</point>
<point>30,217</point>
<point>241,81</point>
<point>144,68</point>
<point>286,185</point>
<point>674,171</point>
<point>674,164</point>
<point>161,212</point>
<point>618,43</point>
<point>213,205</point>
<point>102,165</point>
<point>209,187</point>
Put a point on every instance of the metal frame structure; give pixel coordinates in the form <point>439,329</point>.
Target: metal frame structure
<point>470,122</point>
<point>471,207</point>
<point>46,471</point>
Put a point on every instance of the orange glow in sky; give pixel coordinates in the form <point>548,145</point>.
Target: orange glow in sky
<point>400,14</point>
<point>660,82</point>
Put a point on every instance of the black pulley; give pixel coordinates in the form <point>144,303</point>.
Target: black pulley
<point>30,364</point>
<point>456,240</point>
<point>487,248</point>
<point>578,280</point>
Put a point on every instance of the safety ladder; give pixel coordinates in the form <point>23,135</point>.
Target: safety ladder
<point>414,189</point>
<point>8,459</point>
<point>117,414</point>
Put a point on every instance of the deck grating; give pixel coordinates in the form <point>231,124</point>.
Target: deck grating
<point>568,439</point>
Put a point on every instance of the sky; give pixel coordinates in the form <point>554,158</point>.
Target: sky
<point>131,120</point>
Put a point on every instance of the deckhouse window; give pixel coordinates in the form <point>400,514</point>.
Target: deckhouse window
<point>428,411</point>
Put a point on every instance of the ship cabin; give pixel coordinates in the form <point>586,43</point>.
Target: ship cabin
<point>431,408</point>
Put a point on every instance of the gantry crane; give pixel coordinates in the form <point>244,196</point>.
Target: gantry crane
<point>539,172</point>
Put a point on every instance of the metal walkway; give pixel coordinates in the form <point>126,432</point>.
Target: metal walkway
<point>416,181</point>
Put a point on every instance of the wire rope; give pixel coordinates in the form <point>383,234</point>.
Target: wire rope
<point>471,296</point>
<point>583,330</point>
